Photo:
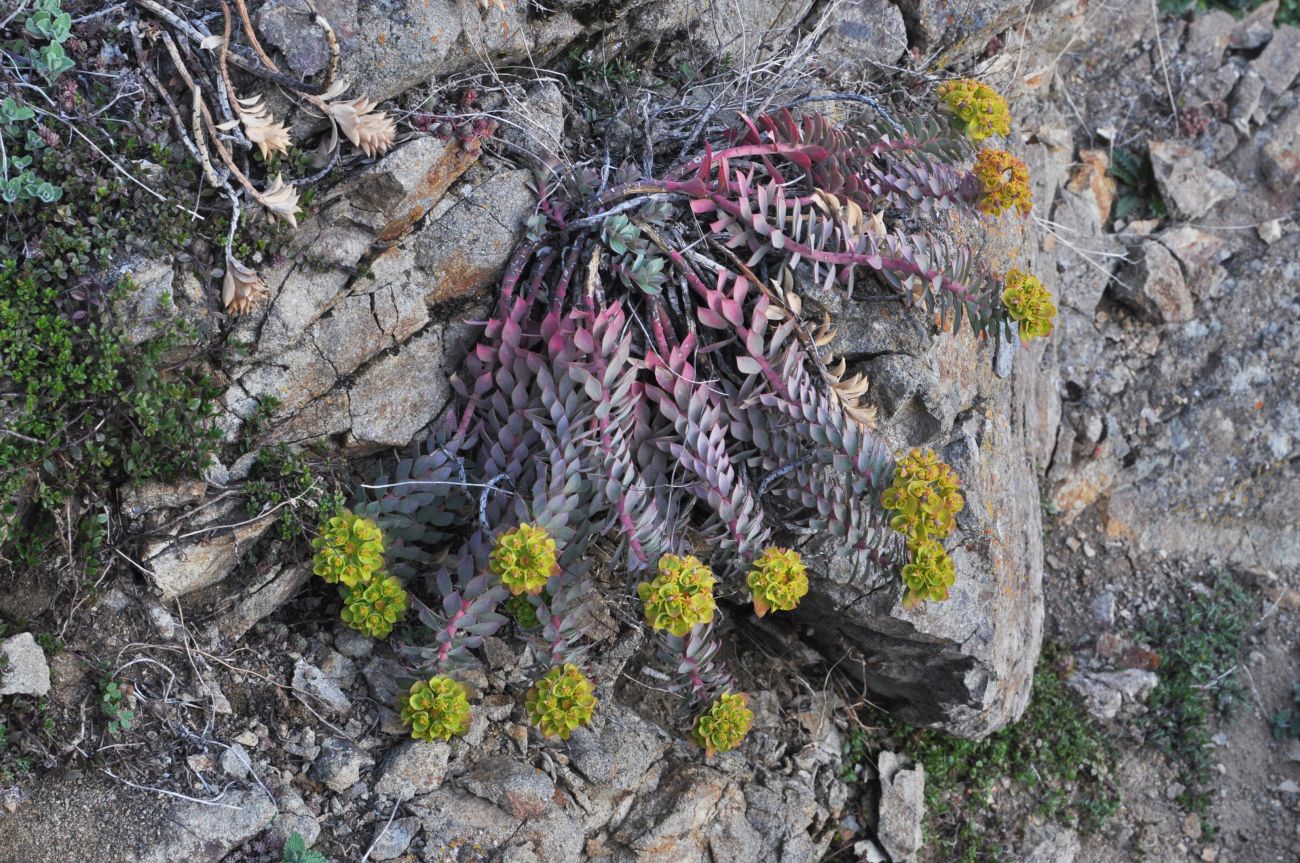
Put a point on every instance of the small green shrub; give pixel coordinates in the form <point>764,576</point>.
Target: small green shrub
<point>1286,722</point>
<point>1138,195</point>
<point>110,704</point>
<point>296,851</point>
<point>1200,640</point>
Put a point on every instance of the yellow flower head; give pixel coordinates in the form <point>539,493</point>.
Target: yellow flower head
<point>680,597</point>
<point>1005,181</point>
<point>374,607</point>
<point>724,725</point>
<point>930,573</point>
<point>979,108</point>
<point>1029,304</point>
<point>924,497</point>
<point>778,580</point>
<point>349,550</point>
<point>561,701</point>
<point>437,709</point>
<point>524,559</point>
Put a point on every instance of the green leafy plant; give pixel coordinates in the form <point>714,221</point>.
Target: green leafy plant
<point>374,607</point>
<point>296,851</point>
<point>1286,722</point>
<point>1200,640</point>
<point>680,597</point>
<point>1139,196</point>
<point>980,110</point>
<point>110,705</point>
<point>777,581</point>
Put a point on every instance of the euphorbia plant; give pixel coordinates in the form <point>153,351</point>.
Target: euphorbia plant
<point>653,382</point>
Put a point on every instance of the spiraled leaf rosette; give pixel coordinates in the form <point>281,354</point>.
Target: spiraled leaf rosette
<point>436,709</point>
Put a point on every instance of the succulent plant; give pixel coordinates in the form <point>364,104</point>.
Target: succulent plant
<point>436,709</point>
<point>930,573</point>
<point>349,550</point>
<point>924,497</point>
<point>524,559</point>
<point>1029,304</point>
<point>374,607</point>
<point>680,597</point>
<point>523,611</point>
<point>724,724</point>
<point>1005,182</point>
<point>980,110</point>
<point>561,701</point>
<point>777,580</point>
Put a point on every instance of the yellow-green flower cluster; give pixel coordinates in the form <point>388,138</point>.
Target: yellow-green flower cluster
<point>680,597</point>
<point>930,573</point>
<point>724,725</point>
<point>524,559</point>
<point>437,709</point>
<point>561,701</point>
<point>1005,181</point>
<point>778,580</point>
<point>979,108</point>
<point>374,607</point>
<point>925,499</point>
<point>349,550</point>
<point>1029,304</point>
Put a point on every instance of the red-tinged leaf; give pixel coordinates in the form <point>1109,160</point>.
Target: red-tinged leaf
<point>748,365</point>
<point>710,318</point>
<point>700,206</point>
<point>732,311</point>
<point>584,341</point>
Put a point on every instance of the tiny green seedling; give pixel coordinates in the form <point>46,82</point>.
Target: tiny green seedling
<point>110,704</point>
<point>296,851</point>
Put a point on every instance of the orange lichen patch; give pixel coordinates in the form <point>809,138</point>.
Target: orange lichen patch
<point>1093,175</point>
<point>382,38</point>
<point>453,162</point>
<point>1259,405</point>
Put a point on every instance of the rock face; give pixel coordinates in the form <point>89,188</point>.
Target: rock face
<point>965,664</point>
<point>902,808</point>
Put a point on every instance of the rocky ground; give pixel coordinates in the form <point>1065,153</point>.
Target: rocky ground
<point>1154,439</point>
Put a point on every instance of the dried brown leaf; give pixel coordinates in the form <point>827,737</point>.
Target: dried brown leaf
<point>370,133</point>
<point>281,202</point>
<point>262,128</point>
<point>242,288</point>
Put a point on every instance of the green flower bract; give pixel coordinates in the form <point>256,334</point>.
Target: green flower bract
<point>561,701</point>
<point>930,573</point>
<point>778,580</point>
<point>349,550</point>
<point>1005,181</point>
<point>979,108</point>
<point>524,559</point>
<point>374,607</point>
<point>1029,304</point>
<point>681,595</point>
<point>724,725</point>
<point>437,709</point>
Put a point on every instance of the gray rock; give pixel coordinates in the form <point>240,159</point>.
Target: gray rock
<point>1208,36</point>
<point>311,680</point>
<point>235,761</point>
<point>1254,30</point>
<point>23,669</point>
<point>663,823</point>
<point>1195,249</point>
<point>193,831</point>
<point>1054,845</point>
<point>518,788</point>
<point>1279,63</point>
<point>864,32</point>
<point>393,839</point>
<point>262,598</point>
<point>415,767</point>
<point>1188,185</point>
<point>1101,701</point>
<point>1154,286</point>
<point>401,44</point>
<point>955,32</point>
<point>1103,610</point>
<point>1245,100</point>
<point>182,566</point>
<point>1133,684</point>
<point>401,393</point>
<point>159,298</point>
<point>902,808</point>
<point>288,25</point>
<point>1280,155</point>
<point>453,819</point>
<point>340,763</point>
